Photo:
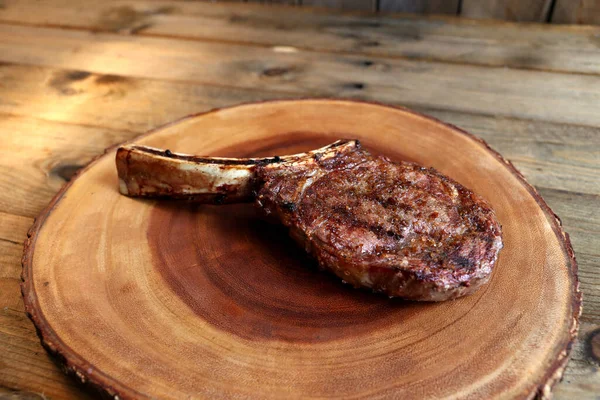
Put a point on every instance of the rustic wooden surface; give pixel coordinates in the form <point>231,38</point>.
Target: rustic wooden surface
<point>77,78</point>
<point>511,10</point>
<point>550,11</point>
<point>576,12</point>
<point>420,6</point>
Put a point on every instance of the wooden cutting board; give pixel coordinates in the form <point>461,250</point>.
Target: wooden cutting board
<point>172,300</point>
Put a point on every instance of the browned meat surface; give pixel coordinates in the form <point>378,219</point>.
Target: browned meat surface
<point>397,228</point>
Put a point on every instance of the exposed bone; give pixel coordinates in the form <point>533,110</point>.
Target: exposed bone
<point>150,172</point>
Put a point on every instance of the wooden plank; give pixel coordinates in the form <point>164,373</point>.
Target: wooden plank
<point>590,286</point>
<point>420,6</point>
<point>576,12</point>
<point>14,228</point>
<point>511,10</point>
<point>362,5</point>
<point>10,260</point>
<point>13,232</point>
<point>40,154</point>
<point>540,150</point>
<point>581,222</point>
<point>25,365</point>
<point>581,379</point>
<point>455,40</point>
<point>104,100</point>
<point>464,88</point>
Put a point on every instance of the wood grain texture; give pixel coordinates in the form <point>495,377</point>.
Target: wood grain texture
<point>466,88</point>
<point>46,155</point>
<point>52,108</point>
<point>420,6</point>
<point>511,10</point>
<point>453,40</point>
<point>109,101</point>
<point>166,297</point>
<point>577,12</point>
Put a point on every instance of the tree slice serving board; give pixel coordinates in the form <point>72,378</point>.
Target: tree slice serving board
<point>174,300</point>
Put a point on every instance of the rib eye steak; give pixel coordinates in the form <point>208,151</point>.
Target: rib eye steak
<point>394,227</point>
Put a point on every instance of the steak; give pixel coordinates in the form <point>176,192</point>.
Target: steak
<point>394,227</point>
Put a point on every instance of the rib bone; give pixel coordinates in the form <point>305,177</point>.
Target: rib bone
<point>149,172</point>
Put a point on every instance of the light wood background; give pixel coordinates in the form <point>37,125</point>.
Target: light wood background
<point>78,77</point>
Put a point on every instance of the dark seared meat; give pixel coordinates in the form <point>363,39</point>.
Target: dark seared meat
<point>397,228</point>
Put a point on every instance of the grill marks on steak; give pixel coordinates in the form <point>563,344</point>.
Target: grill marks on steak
<point>397,228</point>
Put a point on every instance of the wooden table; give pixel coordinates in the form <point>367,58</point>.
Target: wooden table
<point>77,77</point>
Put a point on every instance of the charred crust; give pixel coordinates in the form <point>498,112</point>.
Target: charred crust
<point>463,262</point>
<point>209,160</point>
<point>394,235</point>
<point>206,160</point>
<point>288,206</point>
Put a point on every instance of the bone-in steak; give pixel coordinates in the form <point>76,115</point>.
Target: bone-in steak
<point>394,227</point>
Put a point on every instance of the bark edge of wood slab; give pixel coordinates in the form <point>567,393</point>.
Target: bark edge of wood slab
<point>396,228</point>
<point>512,352</point>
